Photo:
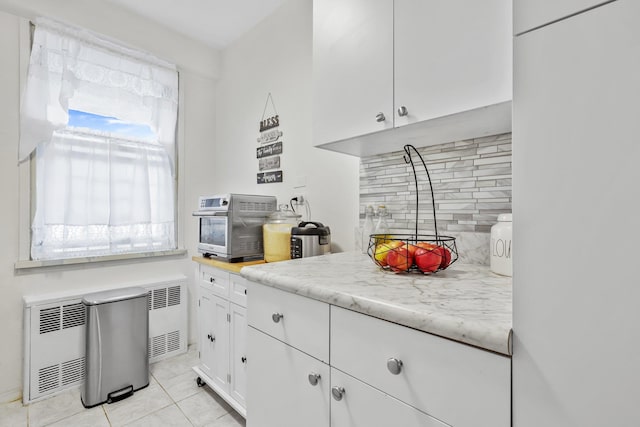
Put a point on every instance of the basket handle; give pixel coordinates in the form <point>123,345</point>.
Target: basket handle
<point>409,159</point>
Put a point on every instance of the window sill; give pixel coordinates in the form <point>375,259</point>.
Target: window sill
<point>28,264</point>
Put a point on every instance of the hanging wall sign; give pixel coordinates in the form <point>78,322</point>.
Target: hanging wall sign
<point>272,162</point>
<point>268,153</point>
<point>269,150</point>
<point>269,177</point>
<point>269,136</point>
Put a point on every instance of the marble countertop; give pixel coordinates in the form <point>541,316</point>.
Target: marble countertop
<point>466,302</point>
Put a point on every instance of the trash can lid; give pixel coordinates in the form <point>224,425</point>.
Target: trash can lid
<point>114,295</point>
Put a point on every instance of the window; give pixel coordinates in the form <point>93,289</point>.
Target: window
<point>101,119</point>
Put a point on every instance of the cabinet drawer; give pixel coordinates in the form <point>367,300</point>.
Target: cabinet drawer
<point>453,382</point>
<point>215,280</point>
<point>364,406</point>
<point>238,290</point>
<point>304,323</point>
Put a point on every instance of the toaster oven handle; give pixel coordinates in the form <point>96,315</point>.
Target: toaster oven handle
<point>205,213</point>
<point>304,224</point>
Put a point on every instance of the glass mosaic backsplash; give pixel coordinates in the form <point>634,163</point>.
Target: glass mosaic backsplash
<point>471,185</point>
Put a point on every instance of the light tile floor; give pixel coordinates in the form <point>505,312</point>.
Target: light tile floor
<point>172,399</point>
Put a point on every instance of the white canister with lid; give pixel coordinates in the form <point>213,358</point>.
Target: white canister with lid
<point>500,252</point>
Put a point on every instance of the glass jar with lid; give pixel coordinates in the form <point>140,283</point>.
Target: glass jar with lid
<point>276,233</point>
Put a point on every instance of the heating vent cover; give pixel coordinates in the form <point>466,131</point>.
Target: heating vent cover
<point>55,335</point>
<point>48,378</point>
<point>73,315</point>
<point>49,320</point>
<point>163,344</point>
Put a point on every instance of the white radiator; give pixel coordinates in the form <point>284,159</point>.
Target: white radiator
<point>54,334</point>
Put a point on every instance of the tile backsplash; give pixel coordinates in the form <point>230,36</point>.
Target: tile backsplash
<point>471,184</point>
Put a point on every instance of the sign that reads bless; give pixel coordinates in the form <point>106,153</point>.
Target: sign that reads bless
<point>269,123</point>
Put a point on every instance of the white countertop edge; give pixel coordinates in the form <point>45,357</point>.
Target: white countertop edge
<point>496,338</point>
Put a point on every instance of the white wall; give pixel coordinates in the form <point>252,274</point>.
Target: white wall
<point>198,67</point>
<point>275,57</point>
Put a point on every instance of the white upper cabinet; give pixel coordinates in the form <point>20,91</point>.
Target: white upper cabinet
<point>442,67</point>
<point>450,56</point>
<point>352,68</point>
<point>530,14</point>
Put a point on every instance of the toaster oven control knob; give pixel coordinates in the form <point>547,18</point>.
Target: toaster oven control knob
<point>314,378</point>
<point>276,317</point>
<point>337,392</point>
<point>380,117</point>
<point>394,365</point>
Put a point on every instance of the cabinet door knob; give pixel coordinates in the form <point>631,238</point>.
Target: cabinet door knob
<point>380,117</point>
<point>276,317</point>
<point>243,359</point>
<point>211,337</point>
<point>337,392</point>
<point>394,365</point>
<point>402,111</point>
<point>211,279</point>
<point>314,378</point>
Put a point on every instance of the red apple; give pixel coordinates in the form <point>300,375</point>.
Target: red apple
<point>445,255</point>
<point>383,249</point>
<point>425,245</point>
<point>412,249</point>
<point>399,259</point>
<point>427,260</point>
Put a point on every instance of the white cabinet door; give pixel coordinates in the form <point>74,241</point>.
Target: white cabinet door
<point>238,355</point>
<point>280,393</point>
<point>576,127</point>
<point>529,14</point>
<point>364,406</point>
<point>206,311</point>
<point>450,56</point>
<point>352,68</point>
<point>219,342</point>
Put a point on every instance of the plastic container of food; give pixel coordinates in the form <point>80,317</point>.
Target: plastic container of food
<point>276,234</point>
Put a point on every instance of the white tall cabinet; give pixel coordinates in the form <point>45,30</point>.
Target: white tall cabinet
<point>576,152</point>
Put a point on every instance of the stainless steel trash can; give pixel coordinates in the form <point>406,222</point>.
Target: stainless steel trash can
<point>117,345</point>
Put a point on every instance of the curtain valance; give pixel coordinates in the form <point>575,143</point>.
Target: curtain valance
<point>73,68</point>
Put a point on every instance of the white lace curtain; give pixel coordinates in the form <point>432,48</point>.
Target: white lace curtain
<point>73,68</point>
<point>98,193</point>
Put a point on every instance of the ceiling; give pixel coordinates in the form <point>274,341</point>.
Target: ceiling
<point>217,23</point>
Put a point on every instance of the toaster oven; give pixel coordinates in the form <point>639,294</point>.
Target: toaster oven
<point>230,225</point>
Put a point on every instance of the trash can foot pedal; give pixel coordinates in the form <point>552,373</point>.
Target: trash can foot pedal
<point>117,395</point>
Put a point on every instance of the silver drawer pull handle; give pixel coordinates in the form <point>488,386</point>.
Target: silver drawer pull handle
<point>380,117</point>
<point>276,317</point>
<point>394,365</point>
<point>314,378</point>
<point>337,392</point>
<point>402,111</point>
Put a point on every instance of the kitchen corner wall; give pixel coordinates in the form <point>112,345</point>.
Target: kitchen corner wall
<point>276,57</point>
<point>471,184</point>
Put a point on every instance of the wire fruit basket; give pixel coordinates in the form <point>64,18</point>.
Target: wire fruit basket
<point>414,253</point>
